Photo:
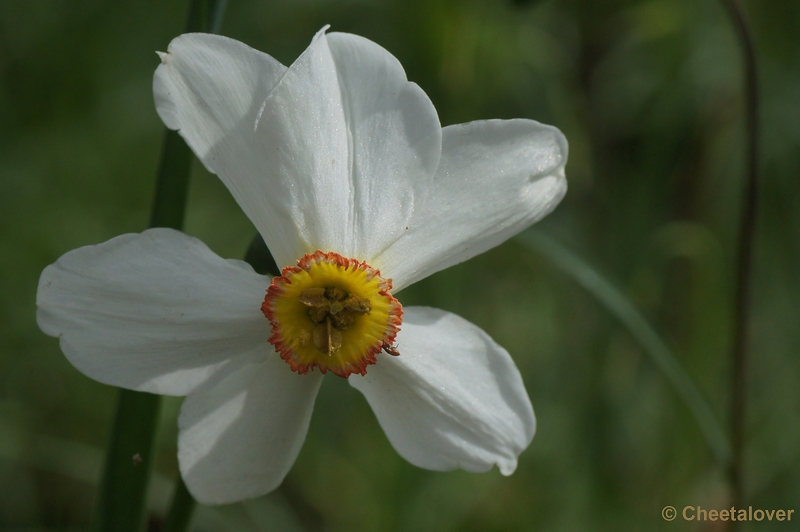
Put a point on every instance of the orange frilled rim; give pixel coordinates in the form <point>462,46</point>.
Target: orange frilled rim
<point>300,337</point>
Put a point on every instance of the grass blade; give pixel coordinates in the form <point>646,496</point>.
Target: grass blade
<point>621,307</point>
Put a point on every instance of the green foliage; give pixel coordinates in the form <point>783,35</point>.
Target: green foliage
<point>648,94</point>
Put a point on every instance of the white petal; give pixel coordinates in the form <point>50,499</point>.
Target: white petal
<point>211,89</point>
<point>240,435</point>
<point>395,138</point>
<point>304,164</point>
<point>334,153</point>
<point>495,178</point>
<point>156,312</point>
<point>452,399</point>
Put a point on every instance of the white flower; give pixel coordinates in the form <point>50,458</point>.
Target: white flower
<point>342,166</point>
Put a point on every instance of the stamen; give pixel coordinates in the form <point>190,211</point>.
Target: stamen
<point>313,297</point>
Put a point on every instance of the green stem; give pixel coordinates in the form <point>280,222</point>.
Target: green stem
<point>206,15</point>
<point>645,334</point>
<point>747,232</point>
<point>172,184</point>
<point>123,494</point>
<point>180,510</point>
<point>259,257</point>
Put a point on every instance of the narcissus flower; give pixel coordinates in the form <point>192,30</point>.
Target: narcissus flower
<point>344,169</point>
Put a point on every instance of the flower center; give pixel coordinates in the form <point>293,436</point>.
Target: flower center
<point>333,313</point>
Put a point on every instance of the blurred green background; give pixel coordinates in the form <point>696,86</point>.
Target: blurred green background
<point>647,93</point>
